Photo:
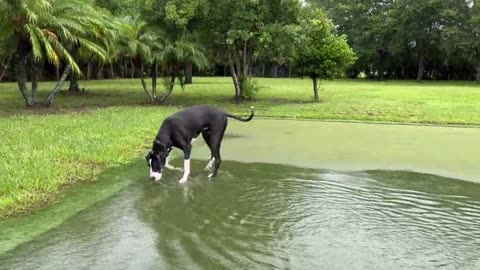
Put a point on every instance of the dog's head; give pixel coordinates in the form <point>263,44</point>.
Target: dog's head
<point>156,160</point>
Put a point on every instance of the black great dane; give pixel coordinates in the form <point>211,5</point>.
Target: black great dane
<point>180,129</point>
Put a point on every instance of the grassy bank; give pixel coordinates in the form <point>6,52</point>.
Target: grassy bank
<point>43,150</point>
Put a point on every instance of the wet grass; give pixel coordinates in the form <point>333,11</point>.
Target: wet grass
<point>46,149</point>
<point>43,153</point>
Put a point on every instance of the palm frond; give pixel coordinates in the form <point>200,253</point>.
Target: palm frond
<point>35,41</point>
<point>67,56</point>
<point>93,48</point>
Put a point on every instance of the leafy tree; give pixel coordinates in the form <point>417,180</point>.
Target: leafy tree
<point>462,32</point>
<point>422,23</point>
<point>120,8</point>
<point>41,30</point>
<point>370,27</point>
<point>473,30</point>
<point>322,54</point>
<point>235,28</point>
<point>179,19</point>
<point>277,44</point>
<point>181,46</point>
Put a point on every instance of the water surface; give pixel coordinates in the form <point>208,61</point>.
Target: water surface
<point>289,195</point>
<point>266,216</point>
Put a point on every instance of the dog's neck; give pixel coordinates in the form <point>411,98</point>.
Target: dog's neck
<point>161,143</point>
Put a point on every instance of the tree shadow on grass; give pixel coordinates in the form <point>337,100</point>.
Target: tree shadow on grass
<point>91,100</point>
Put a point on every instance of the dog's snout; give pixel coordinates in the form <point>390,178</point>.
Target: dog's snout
<point>155,175</point>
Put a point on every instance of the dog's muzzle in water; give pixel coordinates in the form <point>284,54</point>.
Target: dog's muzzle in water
<point>155,175</point>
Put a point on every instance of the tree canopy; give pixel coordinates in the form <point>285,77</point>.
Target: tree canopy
<point>409,39</point>
<point>321,39</point>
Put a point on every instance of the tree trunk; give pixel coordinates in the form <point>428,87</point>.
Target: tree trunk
<point>89,70</point>
<point>263,70</point>
<point>73,88</point>
<point>58,86</point>
<point>315,89</point>
<point>4,71</point>
<point>275,70</point>
<point>239,78</point>
<point>245,70</point>
<point>125,68</point>
<point>171,85</point>
<point>112,72</point>
<point>132,71</point>
<point>382,54</point>
<point>225,71</point>
<point>289,71</point>
<point>402,72</point>
<point>188,73</point>
<point>236,83</point>
<point>421,68</point>
<point>5,68</point>
<point>40,71</point>
<point>22,75</point>
<point>100,72</point>
<point>154,78</point>
<point>34,82</point>
<point>245,63</point>
<point>144,85</point>
<point>477,79</point>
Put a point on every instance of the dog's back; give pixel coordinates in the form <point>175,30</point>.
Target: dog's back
<point>192,120</point>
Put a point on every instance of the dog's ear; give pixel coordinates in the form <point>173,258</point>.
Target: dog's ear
<point>148,157</point>
<point>158,146</point>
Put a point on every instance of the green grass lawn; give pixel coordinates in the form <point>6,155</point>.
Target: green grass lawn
<point>44,150</point>
<point>397,101</point>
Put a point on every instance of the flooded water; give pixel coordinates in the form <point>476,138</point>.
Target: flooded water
<point>264,216</point>
<point>269,215</point>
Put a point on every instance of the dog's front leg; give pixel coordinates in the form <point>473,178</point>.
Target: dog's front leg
<point>186,164</point>
<point>170,167</point>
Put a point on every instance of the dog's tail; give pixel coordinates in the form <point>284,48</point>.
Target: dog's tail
<point>252,113</point>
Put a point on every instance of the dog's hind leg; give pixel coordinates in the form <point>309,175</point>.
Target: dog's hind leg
<point>216,141</point>
<point>206,136</point>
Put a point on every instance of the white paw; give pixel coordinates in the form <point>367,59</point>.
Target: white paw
<point>210,175</point>
<point>210,164</point>
<point>182,181</point>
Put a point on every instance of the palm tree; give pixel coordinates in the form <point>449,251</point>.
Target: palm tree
<point>138,41</point>
<point>176,55</point>
<point>42,30</point>
<point>103,32</point>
